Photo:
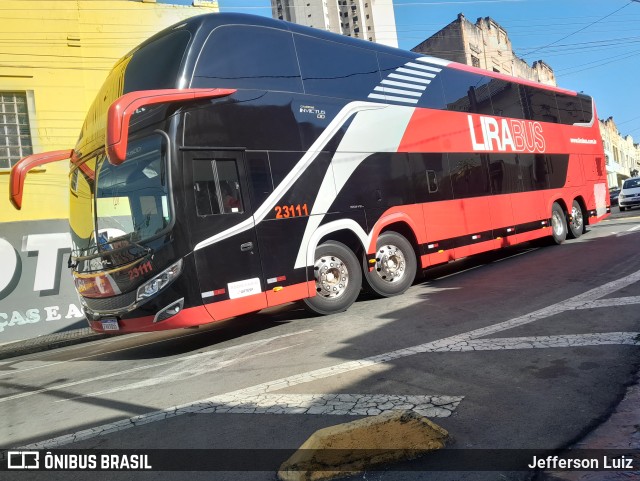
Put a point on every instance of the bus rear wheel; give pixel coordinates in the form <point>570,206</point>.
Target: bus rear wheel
<point>558,224</point>
<point>338,279</point>
<point>395,266</point>
<point>576,225</point>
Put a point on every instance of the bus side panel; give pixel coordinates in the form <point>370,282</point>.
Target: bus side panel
<point>501,209</point>
<point>476,228</point>
<point>575,174</point>
<point>279,242</point>
<point>529,211</point>
<point>438,217</point>
<point>411,215</point>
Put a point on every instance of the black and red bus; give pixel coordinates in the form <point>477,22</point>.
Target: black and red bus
<point>231,163</point>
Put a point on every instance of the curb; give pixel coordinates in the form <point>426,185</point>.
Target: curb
<point>353,447</point>
<point>50,341</point>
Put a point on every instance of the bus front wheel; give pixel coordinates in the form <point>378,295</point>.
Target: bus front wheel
<point>338,279</point>
<point>394,268</point>
<point>558,224</point>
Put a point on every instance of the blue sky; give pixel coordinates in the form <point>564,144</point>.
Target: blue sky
<point>592,45</point>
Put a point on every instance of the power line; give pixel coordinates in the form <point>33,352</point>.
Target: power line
<point>632,54</point>
<point>580,30</point>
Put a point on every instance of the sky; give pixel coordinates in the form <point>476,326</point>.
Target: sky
<point>593,46</point>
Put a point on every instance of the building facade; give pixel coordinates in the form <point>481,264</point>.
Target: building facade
<point>55,59</point>
<point>484,44</point>
<point>372,20</point>
<point>622,155</point>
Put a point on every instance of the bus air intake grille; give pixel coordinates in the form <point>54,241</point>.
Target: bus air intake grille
<point>115,303</point>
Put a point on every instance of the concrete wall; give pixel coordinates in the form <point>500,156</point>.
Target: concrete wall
<point>59,55</point>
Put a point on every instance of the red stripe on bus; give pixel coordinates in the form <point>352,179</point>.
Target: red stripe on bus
<point>291,293</point>
<point>234,307</point>
<point>509,78</point>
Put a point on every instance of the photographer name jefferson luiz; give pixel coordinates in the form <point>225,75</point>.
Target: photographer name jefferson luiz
<point>606,462</point>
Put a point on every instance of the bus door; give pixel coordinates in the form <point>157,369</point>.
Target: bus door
<point>220,221</point>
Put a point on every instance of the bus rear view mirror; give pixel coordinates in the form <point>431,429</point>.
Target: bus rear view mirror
<point>20,170</point>
<point>121,110</point>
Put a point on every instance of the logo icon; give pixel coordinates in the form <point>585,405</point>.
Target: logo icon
<point>23,460</point>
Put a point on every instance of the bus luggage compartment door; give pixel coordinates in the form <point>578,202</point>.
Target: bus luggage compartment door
<point>223,234</point>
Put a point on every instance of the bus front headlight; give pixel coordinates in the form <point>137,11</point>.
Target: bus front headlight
<point>159,282</point>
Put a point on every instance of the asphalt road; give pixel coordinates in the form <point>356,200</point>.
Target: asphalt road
<point>531,347</point>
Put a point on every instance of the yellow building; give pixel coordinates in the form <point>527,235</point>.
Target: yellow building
<point>54,56</point>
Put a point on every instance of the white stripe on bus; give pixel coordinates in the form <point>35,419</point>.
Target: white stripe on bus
<point>423,67</point>
<point>433,60</point>
<point>410,79</point>
<point>397,91</point>
<point>403,84</point>
<point>267,206</point>
<point>392,98</point>
<point>415,72</point>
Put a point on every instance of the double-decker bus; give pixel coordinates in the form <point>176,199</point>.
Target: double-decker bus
<point>231,163</point>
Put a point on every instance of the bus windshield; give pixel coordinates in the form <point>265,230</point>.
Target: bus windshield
<point>132,199</point>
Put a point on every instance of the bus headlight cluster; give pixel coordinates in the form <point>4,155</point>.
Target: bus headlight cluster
<point>159,282</point>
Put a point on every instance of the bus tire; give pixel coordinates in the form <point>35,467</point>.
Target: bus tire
<point>558,224</point>
<point>395,266</point>
<point>576,225</point>
<point>338,279</point>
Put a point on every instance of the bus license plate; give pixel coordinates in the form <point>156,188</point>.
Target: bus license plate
<point>110,324</point>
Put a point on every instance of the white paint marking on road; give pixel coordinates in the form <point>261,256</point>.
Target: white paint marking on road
<point>635,228</point>
<point>572,303</point>
<point>337,404</point>
<point>611,302</point>
<point>544,342</point>
<point>184,369</point>
<point>516,255</point>
<point>203,358</point>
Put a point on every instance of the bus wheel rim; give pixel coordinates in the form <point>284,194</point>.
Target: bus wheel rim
<point>391,264</point>
<point>576,215</point>
<point>556,222</point>
<point>332,276</point>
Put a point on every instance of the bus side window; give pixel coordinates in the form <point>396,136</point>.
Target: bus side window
<point>504,172</point>
<point>248,57</point>
<point>505,99</point>
<point>533,170</point>
<point>430,173</point>
<point>587,108</point>
<point>336,70</point>
<point>260,179</point>
<point>216,187</point>
<point>466,92</point>
<point>469,175</point>
<point>541,105</point>
<point>570,109</point>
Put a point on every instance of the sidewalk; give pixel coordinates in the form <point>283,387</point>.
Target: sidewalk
<point>50,341</point>
<point>620,431</point>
